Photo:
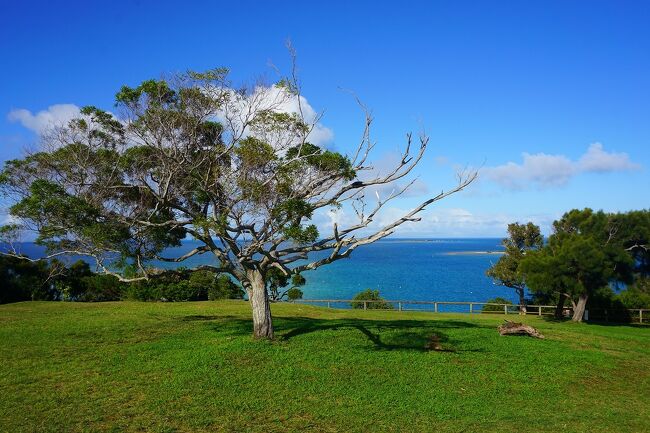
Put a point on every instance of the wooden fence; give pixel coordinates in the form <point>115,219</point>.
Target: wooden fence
<point>599,314</point>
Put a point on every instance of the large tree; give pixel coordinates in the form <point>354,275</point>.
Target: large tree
<point>193,156</point>
<point>584,254</point>
<point>521,239</point>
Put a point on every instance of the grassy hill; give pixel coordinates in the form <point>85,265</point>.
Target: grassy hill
<point>193,367</point>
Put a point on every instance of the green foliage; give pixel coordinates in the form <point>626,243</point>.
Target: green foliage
<point>254,153</point>
<point>497,308</point>
<point>22,280</point>
<point>636,295</point>
<point>582,257</point>
<point>224,288</point>
<point>301,234</point>
<point>276,280</point>
<point>294,294</point>
<point>370,295</point>
<point>298,280</point>
<point>327,161</point>
<point>280,122</point>
<point>100,288</point>
<point>182,290</point>
<point>522,238</point>
<point>184,285</point>
<point>157,92</point>
<point>632,231</point>
<point>125,190</point>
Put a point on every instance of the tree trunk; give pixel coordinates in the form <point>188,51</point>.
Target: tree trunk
<point>522,301</point>
<point>579,310</point>
<point>559,309</point>
<point>259,300</point>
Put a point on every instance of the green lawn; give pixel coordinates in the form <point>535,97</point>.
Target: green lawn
<point>185,367</point>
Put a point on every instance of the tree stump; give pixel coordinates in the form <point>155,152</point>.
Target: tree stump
<point>513,328</point>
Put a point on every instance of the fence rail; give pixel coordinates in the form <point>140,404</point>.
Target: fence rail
<point>634,315</point>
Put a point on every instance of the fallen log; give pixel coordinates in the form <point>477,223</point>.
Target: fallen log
<point>514,328</point>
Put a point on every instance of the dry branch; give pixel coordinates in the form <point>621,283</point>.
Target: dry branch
<point>514,328</point>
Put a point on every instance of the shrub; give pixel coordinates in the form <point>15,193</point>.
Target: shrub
<point>22,280</point>
<point>182,290</point>
<point>636,295</point>
<point>294,293</point>
<point>100,287</point>
<point>498,308</point>
<point>370,295</point>
<point>171,286</point>
<point>224,288</point>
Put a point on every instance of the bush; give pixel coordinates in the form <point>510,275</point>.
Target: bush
<point>183,290</point>
<point>100,287</point>
<point>171,286</point>
<point>294,293</point>
<point>224,288</point>
<point>142,291</point>
<point>498,308</point>
<point>370,295</point>
<point>22,280</point>
<point>636,295</point>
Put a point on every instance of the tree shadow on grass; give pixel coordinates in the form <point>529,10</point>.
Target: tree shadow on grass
<point>414,335</point>
<point>204,318</point>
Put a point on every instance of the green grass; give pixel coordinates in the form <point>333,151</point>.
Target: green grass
<point>193,367</point>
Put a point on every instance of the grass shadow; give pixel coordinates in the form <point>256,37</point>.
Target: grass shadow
<point>201,318</point>
<point>389,335</point>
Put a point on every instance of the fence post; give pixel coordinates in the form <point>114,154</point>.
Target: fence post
<point>539,311</point>
<point>328,304</point>
<point>505,309</point>
<point>586,315</point>
<point>471,308</point>
<point>399,306</point>
<point>640,316</point>
<point>435,307</point>
<point>365,305</point>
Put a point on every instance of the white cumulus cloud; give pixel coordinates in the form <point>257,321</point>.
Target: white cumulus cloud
<point>55,115</point>
<point>597,160</point>
<point>273,97</point>
<point>238,110</point>
<point>542,170</point>
<point>434,223</point>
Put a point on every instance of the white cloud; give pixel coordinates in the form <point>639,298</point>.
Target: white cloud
<point>451,222</point>
<point>274,98</point>
<point>239,107</point>
<point>6,218</point>
<point>55,115</point>
<point>545,171</point>
<point>596,160</point>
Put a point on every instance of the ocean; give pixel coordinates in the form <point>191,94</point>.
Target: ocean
<point>401,269</point>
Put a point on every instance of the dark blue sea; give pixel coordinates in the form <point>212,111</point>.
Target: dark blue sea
<point>401,269</point>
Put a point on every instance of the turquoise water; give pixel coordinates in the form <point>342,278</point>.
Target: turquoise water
<point>401,269</point>
<point>411,270</point>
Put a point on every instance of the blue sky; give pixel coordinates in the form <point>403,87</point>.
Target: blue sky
<point>551,99</point>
